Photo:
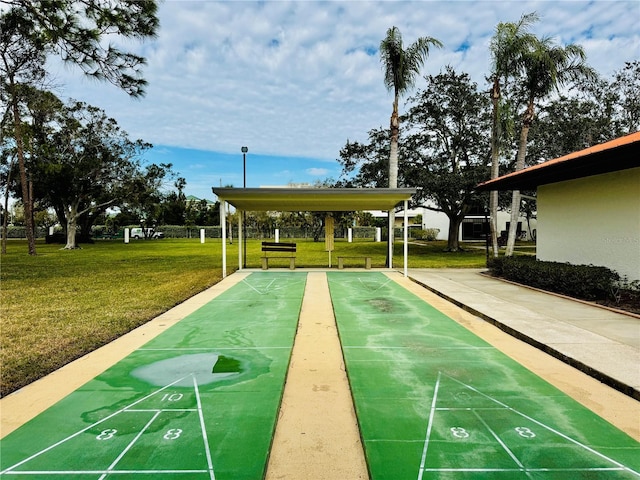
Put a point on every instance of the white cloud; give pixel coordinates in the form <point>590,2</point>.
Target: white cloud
<point>317,172</point>
<point>297,78</point>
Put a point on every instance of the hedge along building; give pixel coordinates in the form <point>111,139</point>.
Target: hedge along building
<point>588,205</point>
<point>310,200</point>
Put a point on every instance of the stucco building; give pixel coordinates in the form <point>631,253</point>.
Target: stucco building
<point>588,205</point>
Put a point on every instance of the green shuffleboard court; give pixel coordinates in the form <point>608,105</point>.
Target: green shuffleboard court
<point>199,401</point>
<point>434,401</point>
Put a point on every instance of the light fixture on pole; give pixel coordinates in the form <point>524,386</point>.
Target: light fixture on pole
<point>244,166</point>
<point>244,151</point>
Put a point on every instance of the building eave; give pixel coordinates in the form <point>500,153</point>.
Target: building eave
<point>619,154</point>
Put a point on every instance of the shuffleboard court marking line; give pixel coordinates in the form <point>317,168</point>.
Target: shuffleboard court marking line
<point>128,409</point>
<point>80,432</point>
<point>163,410</point>
<point>374,347</point>
<point>429,425</point>
<point>266,289</point>
<point>502,444</point>
<point>128,447</point>
<point>469,409</point>
<point>207,349</point>
<point>533,470</point>
<point>204,430</point>
<point>504,406</point>
<point>110,473</point>
<point>368,287</point>
<point>552,430</point>
<point>177,472</point>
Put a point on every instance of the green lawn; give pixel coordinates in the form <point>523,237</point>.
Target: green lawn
<point>60,305</point>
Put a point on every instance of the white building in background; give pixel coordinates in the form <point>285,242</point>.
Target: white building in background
<point>472,227</point>
<point>588,205</point>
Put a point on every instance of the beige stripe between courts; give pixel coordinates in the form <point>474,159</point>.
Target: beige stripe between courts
<point>317,434</point>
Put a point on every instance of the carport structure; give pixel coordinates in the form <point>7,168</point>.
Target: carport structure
<point>310,200</point>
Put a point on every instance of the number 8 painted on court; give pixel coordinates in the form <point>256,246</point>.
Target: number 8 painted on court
<point>525,432</point>
<point>172,434</point>
<point>107,434</point>
<point>459,432</point>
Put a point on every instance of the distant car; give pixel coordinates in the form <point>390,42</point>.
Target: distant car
<point>138,233</point>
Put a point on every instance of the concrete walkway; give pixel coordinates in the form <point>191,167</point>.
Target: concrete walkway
<point>597,341</point>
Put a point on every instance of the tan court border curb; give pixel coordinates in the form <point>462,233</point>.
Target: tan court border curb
<point>317,435</point>
<point>22,405</point>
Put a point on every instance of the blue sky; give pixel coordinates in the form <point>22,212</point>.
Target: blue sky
<point>204,169</point>
<point>293,80</point>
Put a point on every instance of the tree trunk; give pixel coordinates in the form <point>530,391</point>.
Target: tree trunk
<point>495,167</point>
<point>72,227</point>
<point>393,154</point>
<point>5,218</point>
<point>393,173</point>
<point>515,200</point>
<point>26,198</point>
<point>453,242</point>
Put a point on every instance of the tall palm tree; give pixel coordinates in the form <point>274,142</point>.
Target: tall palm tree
<point>401,67</point>
<point>547,67</point>
<point>508,45</point>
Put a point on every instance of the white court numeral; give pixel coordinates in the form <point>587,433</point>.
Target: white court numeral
<point>107,434</point>
<point>172,397</point>
<point>459,432</point>
<point>172,434</point>
<point>525,432</point>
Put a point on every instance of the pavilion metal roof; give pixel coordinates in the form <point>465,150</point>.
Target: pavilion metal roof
<point>313,199</point>
<point>619,154</point>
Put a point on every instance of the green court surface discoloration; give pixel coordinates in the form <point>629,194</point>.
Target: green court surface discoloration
<point>434,401</point>
<point>198,402</point>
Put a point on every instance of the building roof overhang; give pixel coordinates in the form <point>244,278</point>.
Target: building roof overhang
<point>313,199</point>
<point>619,154</point>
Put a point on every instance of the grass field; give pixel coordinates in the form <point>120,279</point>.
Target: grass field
<point>60,305</point>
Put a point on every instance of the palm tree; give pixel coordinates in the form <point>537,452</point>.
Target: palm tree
<point>401,67</point>
<point>547,67</point>
<point>507,47</point>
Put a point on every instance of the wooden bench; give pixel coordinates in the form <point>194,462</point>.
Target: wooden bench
<point>367,262</point>
<point>279,247</point>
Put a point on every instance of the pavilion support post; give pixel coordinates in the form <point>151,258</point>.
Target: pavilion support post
<point>223,225</point>
<point>406,239</point>
<point>390,237</point>
<point>240,240</point>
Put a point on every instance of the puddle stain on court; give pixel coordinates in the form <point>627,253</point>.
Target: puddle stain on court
<point>381,304</point>
<point>207,368</point>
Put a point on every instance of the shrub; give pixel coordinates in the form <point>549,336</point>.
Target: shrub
<point>588,282</point>
<point>429,234</point>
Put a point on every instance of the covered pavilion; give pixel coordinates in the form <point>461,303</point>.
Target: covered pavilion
<point>310,200</point>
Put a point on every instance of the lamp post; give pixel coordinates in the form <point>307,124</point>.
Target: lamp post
<point>244,166</point>
<point>244,151</point>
